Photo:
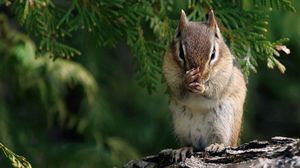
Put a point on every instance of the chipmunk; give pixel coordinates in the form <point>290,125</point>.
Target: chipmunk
<point>207,89</point>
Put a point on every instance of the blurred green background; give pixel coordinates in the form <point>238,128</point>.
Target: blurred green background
<point>91,111</point>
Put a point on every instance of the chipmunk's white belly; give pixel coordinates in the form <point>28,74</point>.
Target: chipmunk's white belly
<point>197,103</point>
<point>201,128</point>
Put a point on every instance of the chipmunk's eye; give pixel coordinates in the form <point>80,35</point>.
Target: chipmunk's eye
<point>181,52</point>
<point>213,56</point>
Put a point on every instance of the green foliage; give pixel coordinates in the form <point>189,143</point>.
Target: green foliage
<point>52,23</point>
<point>278,4</point>
<point>50,78</point>
<point>48,83</point>
<point>245,26</point>
<point>16,160</point>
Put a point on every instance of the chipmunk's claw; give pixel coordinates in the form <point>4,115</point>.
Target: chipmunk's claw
<point>192,75</point>
<point>181,153</point>
<point>215,148</point>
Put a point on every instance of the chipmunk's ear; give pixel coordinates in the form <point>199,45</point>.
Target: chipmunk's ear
<point>183,21</point>
<point>212,22</point>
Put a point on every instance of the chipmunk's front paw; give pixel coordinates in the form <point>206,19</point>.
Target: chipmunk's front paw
<point>196,87</point>
<point>191,81</point>
<point>215,148</point>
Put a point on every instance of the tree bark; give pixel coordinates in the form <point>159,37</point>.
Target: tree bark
<point>277,152</point>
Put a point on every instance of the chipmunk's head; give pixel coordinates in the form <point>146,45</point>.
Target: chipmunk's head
<point>197,45</point>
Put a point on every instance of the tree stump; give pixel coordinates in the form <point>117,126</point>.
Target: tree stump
<point>277,152</point>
